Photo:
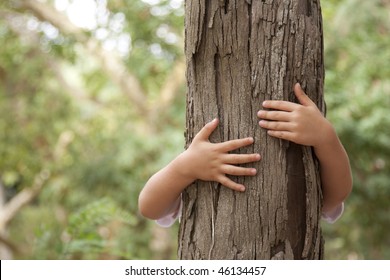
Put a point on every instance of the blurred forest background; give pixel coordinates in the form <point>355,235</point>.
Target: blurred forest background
<point>92,102</point>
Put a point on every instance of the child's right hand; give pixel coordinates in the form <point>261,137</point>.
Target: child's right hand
<point>212,161</point>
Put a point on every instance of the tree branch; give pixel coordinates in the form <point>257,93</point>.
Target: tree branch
<point>25,196</point>
<point>169,90</point>
<point>172,83</point>
<point>10,209</point>
<point>112,65</point>
<point>32,38</point>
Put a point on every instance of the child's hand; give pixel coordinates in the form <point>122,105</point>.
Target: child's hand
<point>212,161</point>
<point>300,123</point>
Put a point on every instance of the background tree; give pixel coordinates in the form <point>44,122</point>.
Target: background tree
<point>239,54</point>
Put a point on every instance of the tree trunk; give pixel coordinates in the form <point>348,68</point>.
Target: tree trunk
<point>238,54</point>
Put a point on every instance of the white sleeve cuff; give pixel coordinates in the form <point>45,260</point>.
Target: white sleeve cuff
<point>333,215</point>
<point>330,216</point>
<point>169,219</point>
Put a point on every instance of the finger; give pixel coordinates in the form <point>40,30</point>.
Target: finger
<point>273,115</point>
<point>301,95</point>
<point>280,105</point>
<point>241,158</point>
<point>279,126</point>
<point>285,135</point>
<point>231,184</point>
<point>235,144</point>
<point>237,170</point>
<point>207,130</point>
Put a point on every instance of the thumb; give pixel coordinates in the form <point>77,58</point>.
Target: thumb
<point>207,130</point>
<point>301,95</point>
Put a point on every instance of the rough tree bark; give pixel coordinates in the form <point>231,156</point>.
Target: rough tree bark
<point>239,53</point>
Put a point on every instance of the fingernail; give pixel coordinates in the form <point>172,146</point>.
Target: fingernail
<point>242,188</point>
<point>265,103</point>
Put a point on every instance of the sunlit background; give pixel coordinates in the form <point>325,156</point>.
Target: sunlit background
<point>92,102</point>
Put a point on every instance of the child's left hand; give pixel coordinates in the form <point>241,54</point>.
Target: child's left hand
<point>300,123</point>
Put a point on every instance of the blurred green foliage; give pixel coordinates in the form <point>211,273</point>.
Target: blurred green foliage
<point>357,56</point>
<point>60,113</point>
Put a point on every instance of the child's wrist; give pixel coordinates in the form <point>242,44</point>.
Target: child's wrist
<point>327,139</point>
<point>183,166</point>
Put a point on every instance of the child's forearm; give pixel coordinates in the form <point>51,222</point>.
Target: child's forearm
<point>162,191</point>
<point>335,171</point>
